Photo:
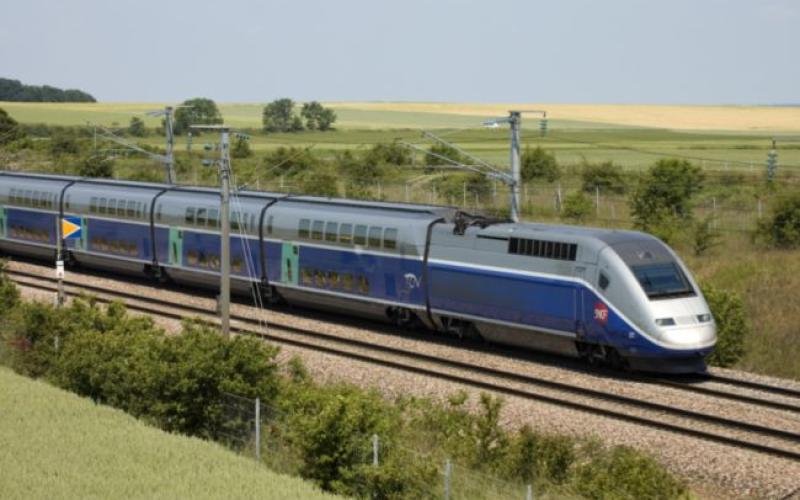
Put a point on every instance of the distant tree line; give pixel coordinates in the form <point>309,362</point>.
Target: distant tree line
<point>14,90</point>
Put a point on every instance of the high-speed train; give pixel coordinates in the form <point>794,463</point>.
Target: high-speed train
<point>616,297</point>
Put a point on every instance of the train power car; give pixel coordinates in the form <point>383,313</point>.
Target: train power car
<point>609,296</point>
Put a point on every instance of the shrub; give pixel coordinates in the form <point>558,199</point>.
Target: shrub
<point>539,164</point>
<point>605,176</point>
<point>662,201</point>
<point>623,473</point>
<point>782,228</point>
<point>704,236</point>
<point>97,166</point>
<point>9,294</point>
<point>732,326</point>
<point>577,206</point>
<point>319,183</point>
<point>536,456</point>
<point>392,153</point>
<point>64,144</point>
<point>439,154</point>
<point>289,161</point>
<point>136,127</point>
<point>241,148</point>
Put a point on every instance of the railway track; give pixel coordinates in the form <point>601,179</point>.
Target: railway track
<point>720,429</point>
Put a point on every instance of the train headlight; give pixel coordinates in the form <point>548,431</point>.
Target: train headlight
<point>665,322</point>
<point>704,318</point>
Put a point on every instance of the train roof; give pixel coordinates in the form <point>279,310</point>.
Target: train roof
<point>409,208</point>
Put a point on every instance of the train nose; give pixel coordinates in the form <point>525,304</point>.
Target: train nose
<point>688,337</point>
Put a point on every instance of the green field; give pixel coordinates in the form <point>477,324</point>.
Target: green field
<point>57,445</point>
<point>578,136</point>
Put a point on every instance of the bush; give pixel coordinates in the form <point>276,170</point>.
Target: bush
<point>392,153</point>
<point>64,144</point>
<point>704,237</point>
<point>539,164</point>
<point>623,473</point>
<point>577,206</point>
<point>289,161</point>
<point>536,456</point>
<point>732,326</point>
<point>241,148</point>
<point>9,294</point>
<point>136,127</point>
<point>605,176</point>
<point>439,154</point>
<point>97,166</point>
<point>782,228</point>
<point>662,201</point>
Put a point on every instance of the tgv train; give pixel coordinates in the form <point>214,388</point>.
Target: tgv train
<point>617,297</point>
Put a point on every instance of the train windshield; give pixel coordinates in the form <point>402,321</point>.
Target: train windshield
<point>662,280</point>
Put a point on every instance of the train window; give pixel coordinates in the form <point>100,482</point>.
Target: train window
<point>252,222</point>
<point>101,208</point>
<point>347,282</point>
<point>121,208</point>
<point>331,230</point>
<point>603,281</point>
<point>363,284</point>
<point>12,194</point>
<point>390,238</point>
<point>334,280</point>
<point>93,205</point>
<point>131,212</point>
<point>346,233</point>
<point>28,196</point>
<point>306,276</point>
<point>68,202</point>
<point>375,233</point>
<point>320,279</point>
<point>140,210</point>
<point>213,217</point>
<point>236,218</point>
<point>269,224</point>
<point>189,215</point>
<point>360,236</point>
<point>303,228</point>
<point>201,216</point>
<point>112,206</point>
<point>316,230</point>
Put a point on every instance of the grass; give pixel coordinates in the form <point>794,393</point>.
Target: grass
<point>58,445</point>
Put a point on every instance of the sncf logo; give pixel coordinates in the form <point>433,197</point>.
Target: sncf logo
<point>600,313</point>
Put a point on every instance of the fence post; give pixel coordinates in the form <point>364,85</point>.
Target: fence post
<point>759,208</point>
<point>375,450</point>
<point>714,211</point>
<point>597,200</point>
<point>258,429</point>
<point>447,473</point>
<point>529,493</point>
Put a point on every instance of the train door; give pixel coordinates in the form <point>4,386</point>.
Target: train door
<point>175,246</point>
<point>80,244</point>
<point>290,258</point>
<point>3,222</point>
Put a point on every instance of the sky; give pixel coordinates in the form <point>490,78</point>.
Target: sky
<point>555,51</point>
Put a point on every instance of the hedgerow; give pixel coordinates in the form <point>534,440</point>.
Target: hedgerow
<point>180,382</point>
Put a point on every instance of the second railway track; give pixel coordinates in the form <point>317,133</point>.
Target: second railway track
<point>700,425</point>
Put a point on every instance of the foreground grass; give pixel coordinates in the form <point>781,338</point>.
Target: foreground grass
<point>58,445</point>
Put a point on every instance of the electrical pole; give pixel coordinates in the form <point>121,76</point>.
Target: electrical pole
<point>225,251</point>
<point>514,120</point>
<point>169,162</point>
<point>224,166</point>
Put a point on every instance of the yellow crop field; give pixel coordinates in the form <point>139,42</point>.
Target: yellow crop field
<point>732,118</point>
<point>57,445</point>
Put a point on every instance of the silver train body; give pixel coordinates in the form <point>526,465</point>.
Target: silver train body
<point>621,297</point>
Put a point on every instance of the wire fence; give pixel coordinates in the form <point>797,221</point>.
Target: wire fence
<point>263,433</point>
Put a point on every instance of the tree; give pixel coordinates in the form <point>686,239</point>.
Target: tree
<point>663,197</point>
<point>14,90</point>
<point>782,228</point>
<point>605,176</point>
<point>9,128</point>
<point>278,116</point>
<point>197,111</point>
<point>289,161</point>
<point>732,326</point>
<point>392,153</point>
<point>97,166</point>
<point>136,127</point>
<point>319,183</point>
<point>539,164</point>
<point>317,117</point>
<point>241,148</point>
